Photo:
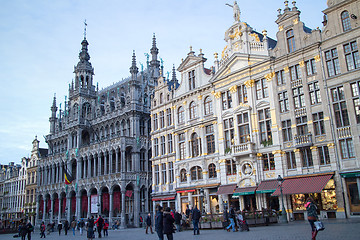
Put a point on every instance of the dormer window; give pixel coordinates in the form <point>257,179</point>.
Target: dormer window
<point>345,20</point>
<point>192,80</point>
<point>161,98</point>
<point>290,40</point>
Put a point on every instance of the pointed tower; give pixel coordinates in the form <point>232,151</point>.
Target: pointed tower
<point>134,69</point>
<point>154,63</point>
<point>53,118</point>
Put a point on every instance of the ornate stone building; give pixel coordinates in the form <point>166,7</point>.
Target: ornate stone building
<point>266,109</point>
<point>102,138</point>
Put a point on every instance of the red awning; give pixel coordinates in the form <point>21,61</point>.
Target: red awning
<point>226,189</point>
<point>313,184</point>
<point>267,186</point>
<point>163,198</point>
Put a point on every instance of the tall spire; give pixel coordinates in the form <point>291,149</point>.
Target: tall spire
<point>154,50</point>
<point>133,69</point>
<point>52,119</point>
<point>173,73</point>
<point>85,25</point>
<point>154,64</point>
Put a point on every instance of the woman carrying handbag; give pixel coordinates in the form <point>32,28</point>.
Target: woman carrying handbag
<point>312,216</point>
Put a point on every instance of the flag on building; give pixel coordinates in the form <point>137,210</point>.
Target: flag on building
<point>67,176</point>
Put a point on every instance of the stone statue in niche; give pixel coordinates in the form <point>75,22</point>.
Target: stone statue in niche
<point>247,169</point>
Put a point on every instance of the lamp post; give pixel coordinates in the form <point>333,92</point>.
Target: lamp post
<point>201,200</point>
<point>283,217</point>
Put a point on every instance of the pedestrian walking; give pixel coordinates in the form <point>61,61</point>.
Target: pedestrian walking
<point>60,226</point>
<point>90,228</point>
<point>66,226</point>
<point>159,225</point>
<point>312,216</point>
<point>148,223</point>
<point>81,226</point>
<point>232,219</point>
<point>99,225</point>
<point>22,230</point>
<point>29,228</point>
<point>42,230</point>
<point>187,211</point>
<point>168,224</point>
<point>196,215</point>
<point>73,226</point>
<point>106,227</point>
<point>177,217</point>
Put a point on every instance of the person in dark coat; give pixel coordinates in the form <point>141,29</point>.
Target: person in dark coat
<point>22,230</point>
<point>42,230</point>
<point>159,225</point>
<point>187,211</point>
<point>168,224</point>
<point>148,223</point>
<point>90,228</point>
<point>196,215</point>
<point>60,226</point>
<point>99,225</point>
<point>66,226</point>
<point>177,217</point>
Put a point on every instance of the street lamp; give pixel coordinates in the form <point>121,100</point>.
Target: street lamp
<point>283,217</point>
<point>201,200</point>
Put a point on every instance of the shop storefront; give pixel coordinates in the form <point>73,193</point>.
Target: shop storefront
<point>320,187</point>
<point>248,199</point>
<point>266,189</point>
<point>226,192</point>
<point>352,182</point>
<point>165,201</point>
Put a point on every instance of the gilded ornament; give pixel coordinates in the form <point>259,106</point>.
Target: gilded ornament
<point>216,55</point>
<point>286,69</point>
<point>184,102</point>
<point>331,145</point>
<point>317,58</point>
<point>296,21</point>
<point>302,64</point>
<point>255,36</point>
<point>281,28</point>
<point>233,89</point>
<point>200,97</point>
<point>223,52</point>
<point>296,150</point>
<point>259,154</point>
<point>269,76</point>
<point>218,94</point>
<point>313,148</point>
<point>249,83</point>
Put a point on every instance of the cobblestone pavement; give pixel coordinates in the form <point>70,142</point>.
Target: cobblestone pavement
<point>335,229</point>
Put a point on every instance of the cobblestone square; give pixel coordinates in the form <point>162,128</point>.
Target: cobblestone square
<point>335,229</point>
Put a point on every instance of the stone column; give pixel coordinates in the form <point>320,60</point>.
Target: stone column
<point>110,162</point>
<point>60,208</point>
<point>78,207</point>
<point>106,160</point>
<point>89,205</point>
<point>207,200</point>
<point>78,168</point>
<point>315,158</point>
<point>52,208</point>
<point>123,207</point>
<point>68,199</point>
<point>221,203</point>
<point>136,206</point>
<point>89,173</point>
<point>44,210</point>
<point>99,165</point>
<point>190,199</point>
<point>84,175</point>
<point>178,202</point>
<point>117,161</point>
<point>99,202</point>
<point>111,208</point>
<point>135,161</point>
<point>37,209</point>
<point>123,160</point>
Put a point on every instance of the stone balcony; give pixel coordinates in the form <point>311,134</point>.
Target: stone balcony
<point>242,149</point>
<point>304,140</point>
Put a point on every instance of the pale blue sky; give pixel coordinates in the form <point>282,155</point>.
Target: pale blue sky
<point>40,41</point>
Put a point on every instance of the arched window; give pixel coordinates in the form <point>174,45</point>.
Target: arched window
<point>192,110</point>
<point>161,98</point>
<point>195,149</point>
<point>290,40</point>
<point>181,115</point>
<point>183,175</point>
<point>208,106</point>
<point>196,173</point>
<point>212,171</point>
<point>345,20</point>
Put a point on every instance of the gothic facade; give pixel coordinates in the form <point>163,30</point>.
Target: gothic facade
<point>101,138</point>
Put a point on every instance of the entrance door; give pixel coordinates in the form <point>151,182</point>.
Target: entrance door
<point>353,194</point>
<point>250,202</point>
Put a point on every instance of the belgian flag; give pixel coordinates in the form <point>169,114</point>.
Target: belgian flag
<point>67,176</point>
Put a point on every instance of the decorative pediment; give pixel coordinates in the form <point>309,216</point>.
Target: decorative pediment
<point>242,107</point>
<point>263,104</point>
<point>190,61</point>
<point>227,113</point>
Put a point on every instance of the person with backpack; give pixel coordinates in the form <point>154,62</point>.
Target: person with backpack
<point>99,225</point>
<point>42,230</point>
<point>29,228</point>
<point>196,215</point>
<point>81,226</point>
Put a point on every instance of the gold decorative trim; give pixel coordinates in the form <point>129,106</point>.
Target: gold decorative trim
<point>233,89</point>
<point>259,154</point>
<point>269,76</point>
<point>200,97</point>
<point>257,39</point>
<point>214,122</point>
<point>184,102</point>
<point>331,145</point>
<point>255,130</point>
<point>250,83</point>
<point>302,64</point>
<point>286,69</point>
<point>317,58</point>
<point>281,28</point>
<point>217,95</point>
<point>293,126</point>
<point>296,150</point>
<point>296,21</point>
<point>188,174</point>
<point>222,160</point>
<point>201,126</point>
<point>313,148</point>
<point>310,122</point>
<point>326,118</point>
<point>217,170</point>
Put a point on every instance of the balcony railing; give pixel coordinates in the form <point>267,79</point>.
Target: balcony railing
<point>343,132</point>
<point>242,148</point>
<point>303,140</point>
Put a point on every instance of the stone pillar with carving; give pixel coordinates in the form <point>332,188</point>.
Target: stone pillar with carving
<point>123,191</point>
<point>315,158</point>
<point>298,159</point>
<point>123,159</point>
<point>89,205</point>
<point>78,206</point>
<point>52,208</point>
<point>44,210</point>
<point>117,161</point>
<point>137,203</point>
<point>110,171</point>
<point>99,203</point>
<point>60,208</point>
<point>111,207</point>
<point>178,202</point>
<point>207,200</point>
<point>68,211</point>
<point>99,164</point>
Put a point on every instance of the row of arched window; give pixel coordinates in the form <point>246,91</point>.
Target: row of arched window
<point>196,173</point>
<point>193,112</point>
